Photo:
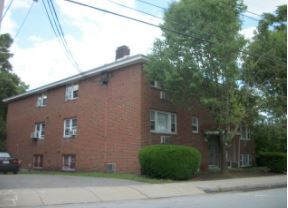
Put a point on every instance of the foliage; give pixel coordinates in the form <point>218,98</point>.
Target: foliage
<point>10,83</point>
<point>270,137</point>
<point>200,60</point>
<point>267,71</point>
<point>275,161</point>
<point>169,161</point>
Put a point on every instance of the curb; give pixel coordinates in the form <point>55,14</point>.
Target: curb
<point>242,188</point>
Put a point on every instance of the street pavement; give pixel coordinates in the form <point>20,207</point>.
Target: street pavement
<point>24,181</point>
<point>35,197</point>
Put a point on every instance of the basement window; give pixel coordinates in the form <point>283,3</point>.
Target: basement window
<point>245,160</point>
<point>69,162</point>
<point>38,161</point>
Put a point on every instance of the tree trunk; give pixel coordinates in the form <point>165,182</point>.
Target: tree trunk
<point>223,162</point>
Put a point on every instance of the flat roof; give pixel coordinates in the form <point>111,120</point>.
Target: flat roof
<point>120,63</point>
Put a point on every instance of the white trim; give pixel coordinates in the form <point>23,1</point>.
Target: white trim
<point>247,134</point>
<point>72,129</point>
<point>195,125</point>
<point>245,160</point>
<point>69,158</point>
<point>155,119</point>
<point>118,64</point>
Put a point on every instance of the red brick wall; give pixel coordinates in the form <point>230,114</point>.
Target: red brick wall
<point>151,100</point>
<point>113,124</point>
<point>108,118</point>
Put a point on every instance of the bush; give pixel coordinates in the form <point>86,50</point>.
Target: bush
<point>169,161</point>
<point>275,161</point>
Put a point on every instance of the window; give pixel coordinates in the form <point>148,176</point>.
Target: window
<point>245,160</point>
<point>42,100</point>
<point>163,95</point>
<point>244,133</point>
<point>165,140</point>
<point>39,131</point>
<point>69,162</point>
<point>72,92</point>
<point>195,127</point>
<point>70,127</point>
<point>155,84</point>
<point>163,122</point>
<point>37,161</point>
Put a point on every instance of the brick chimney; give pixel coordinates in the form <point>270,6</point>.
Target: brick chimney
<point>122,51</point>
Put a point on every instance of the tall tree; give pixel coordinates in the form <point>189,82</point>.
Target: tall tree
<point>198,58</point>
<point>10,83</point>
<point>267,72</point>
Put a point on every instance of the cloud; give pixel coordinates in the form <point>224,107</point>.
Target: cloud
<point>44,61</point>
<point>260,6</point>
<point>248,32</point>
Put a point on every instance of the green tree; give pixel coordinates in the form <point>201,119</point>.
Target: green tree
<point>10,83</point>
<point>267,72</point>
<point>197,58</point>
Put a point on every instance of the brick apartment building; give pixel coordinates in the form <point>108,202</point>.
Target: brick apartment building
<point>100,119</point>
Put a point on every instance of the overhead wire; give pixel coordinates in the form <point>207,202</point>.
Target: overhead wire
<point>58,32</point>
<point>164,28</point>
<point>24,20</point>
<point>5,12</point>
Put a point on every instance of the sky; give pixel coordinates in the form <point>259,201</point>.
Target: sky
<point>92,36</point>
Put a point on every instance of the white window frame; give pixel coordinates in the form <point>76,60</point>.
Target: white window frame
<point>68,127</point>
<point>42,100</point>
<point>40,130</point>
<point>165,140</point>
<point>70,92</point>
<point>70,158</point>
<point>155,84</point>
<point>245,160</point>
<point>172,122</point>
<point>38,158</point>
<point>195,124</point>
<point>246,135</point>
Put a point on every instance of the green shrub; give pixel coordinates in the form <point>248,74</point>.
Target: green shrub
<point>275,161</point>
<point>169,161</point>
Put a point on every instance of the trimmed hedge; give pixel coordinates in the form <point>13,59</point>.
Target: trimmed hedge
<point>275,161</point>
<point>169,161</point>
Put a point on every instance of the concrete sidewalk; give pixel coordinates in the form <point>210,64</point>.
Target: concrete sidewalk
<point>56,196</point>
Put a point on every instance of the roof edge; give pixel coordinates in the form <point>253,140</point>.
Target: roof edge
<point>139,58</point>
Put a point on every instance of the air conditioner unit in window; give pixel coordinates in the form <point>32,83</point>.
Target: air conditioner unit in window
<point>162,95</point>
<point>35,135</point>
<point>73,132</point>
<point>165,139</point>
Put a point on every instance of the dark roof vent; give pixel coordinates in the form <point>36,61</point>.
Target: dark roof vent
<point>122,52</point>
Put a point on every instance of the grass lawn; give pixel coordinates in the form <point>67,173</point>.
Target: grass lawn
<point>126,176</point>
<point>208,175</point>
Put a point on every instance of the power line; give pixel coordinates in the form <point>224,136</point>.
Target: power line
<point>154,5</point>
<point>63,35</point>
<point>24,20</point>
<point>58,32</point>
<point>137,10</point>
<point>164,28</point>
<point>8,7</point>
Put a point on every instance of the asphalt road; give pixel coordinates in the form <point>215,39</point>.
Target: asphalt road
<point>21,181</point>
<point>273,198</point>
